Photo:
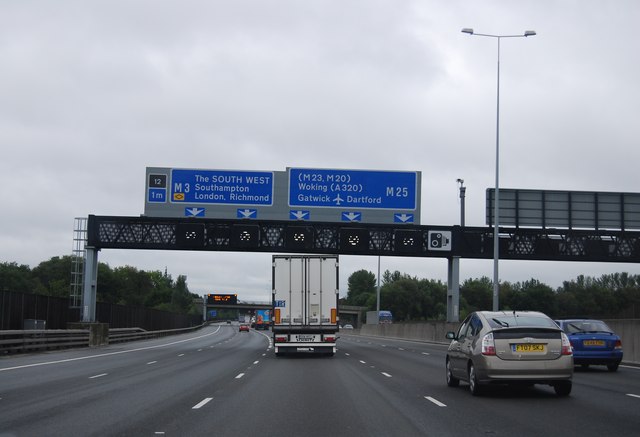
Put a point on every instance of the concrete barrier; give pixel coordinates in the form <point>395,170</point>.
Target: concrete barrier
<point>434,332</point>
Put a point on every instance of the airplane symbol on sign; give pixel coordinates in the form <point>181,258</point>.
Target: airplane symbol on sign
<point>338,199</point>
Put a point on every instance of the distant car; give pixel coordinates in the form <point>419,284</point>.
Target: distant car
<point>347,326</point>
<point>244,327</point>
<point>593,342</point>
<point>509,347</point>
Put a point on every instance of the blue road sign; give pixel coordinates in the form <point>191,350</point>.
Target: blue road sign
<point>157,195</point>
<point>353,189</point>
<point>194,212</point>
<point>348,216</point>
<point>299,215</point>
<point>247,213</point>
<point>403,218</point>
<point>221,187</point>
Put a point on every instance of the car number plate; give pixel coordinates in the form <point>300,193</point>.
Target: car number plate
<point>308,338</point>
<point>528,347</point>
<point>593,342</point>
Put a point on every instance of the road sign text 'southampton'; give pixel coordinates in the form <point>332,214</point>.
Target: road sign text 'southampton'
<point>297,194</point>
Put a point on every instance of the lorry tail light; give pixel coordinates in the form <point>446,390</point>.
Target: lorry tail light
<point>276,316</point>
<point>488,345</point>
<point>566,345</point>
<point>329,338</point>
<point>281,338</point>
<point>334,316</point>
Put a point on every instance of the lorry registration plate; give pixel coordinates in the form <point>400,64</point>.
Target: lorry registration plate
<point>307,338</point>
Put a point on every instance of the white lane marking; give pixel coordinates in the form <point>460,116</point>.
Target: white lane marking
<point>386,374</point>
<point>426,353</point>
<point>240,375</point>
<point>630,367</point>
<point>98,376</point>
<point>181,355</point>
<point>400,349</point>
<point>363,362</point>
<point>435,401</point>
<point>256,362</point>
<point>201,404</point>
<point>199,350</point>
<point>151,362</point>
<point>159,433</point>
<point>633,396</point>
<point>347,354</point>
<point>68,360</point>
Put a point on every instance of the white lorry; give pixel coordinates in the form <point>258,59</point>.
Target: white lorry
<point>305,303</point>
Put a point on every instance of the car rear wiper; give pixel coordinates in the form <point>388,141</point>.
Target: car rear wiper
<point>501,322</point>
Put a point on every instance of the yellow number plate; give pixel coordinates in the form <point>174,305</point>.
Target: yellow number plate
<point>533,347</point>
<point>593,342</point>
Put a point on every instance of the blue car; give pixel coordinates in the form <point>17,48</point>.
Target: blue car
<point>593,342</point>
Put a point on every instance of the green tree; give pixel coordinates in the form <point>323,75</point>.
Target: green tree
<point>478,294</point>
<point>14,277</point>
<point>361,287</point>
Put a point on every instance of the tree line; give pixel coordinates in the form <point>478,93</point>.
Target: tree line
<point>414,299</point>
<point>120,285</point>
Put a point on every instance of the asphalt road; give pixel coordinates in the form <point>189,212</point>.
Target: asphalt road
<point>221,382</point>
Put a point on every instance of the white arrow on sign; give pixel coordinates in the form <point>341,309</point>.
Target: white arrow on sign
<point>300,215</point>
<point>404,217</point>
<point>351,216</point>
<point>246,213</point>
<point>193,212</point>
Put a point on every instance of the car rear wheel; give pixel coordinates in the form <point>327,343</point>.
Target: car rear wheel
<point>452,381</point>
<point>562,388</point>
<point>613,367</point>
<point>474,386</point>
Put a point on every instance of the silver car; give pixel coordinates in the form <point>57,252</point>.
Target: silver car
<point>508,347</point>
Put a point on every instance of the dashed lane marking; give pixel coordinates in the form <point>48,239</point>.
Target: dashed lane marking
<point>201,404</point>
<point>435,401</point>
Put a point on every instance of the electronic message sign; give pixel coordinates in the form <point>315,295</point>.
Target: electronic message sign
<point>222,299</point>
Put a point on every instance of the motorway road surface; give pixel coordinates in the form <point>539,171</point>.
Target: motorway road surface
<point>221,382</point>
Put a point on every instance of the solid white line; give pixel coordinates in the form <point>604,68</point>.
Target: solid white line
<point>633,396</point>
<point>240,375</point>
<point>386,374</point>
<point>151,362</point>
<point>201,404</point>
<point>435,401</point>
<point>109,353</point>
<point>98,376</point>
<point>630,367</point>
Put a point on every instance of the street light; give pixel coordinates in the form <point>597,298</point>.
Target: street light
<point>496,204</point>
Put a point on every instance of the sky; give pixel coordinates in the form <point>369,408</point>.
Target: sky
<point>93,92</point>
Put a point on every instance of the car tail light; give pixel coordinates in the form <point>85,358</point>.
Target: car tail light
<point>329,338</point>
<point>618,345</point>
<point>488,345</point>
<point>566,345</point>
<point>281,338</point>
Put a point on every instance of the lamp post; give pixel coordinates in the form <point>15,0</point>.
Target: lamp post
<point>496,202</point>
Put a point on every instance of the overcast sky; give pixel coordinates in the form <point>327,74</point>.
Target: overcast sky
<point>93,92</point>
